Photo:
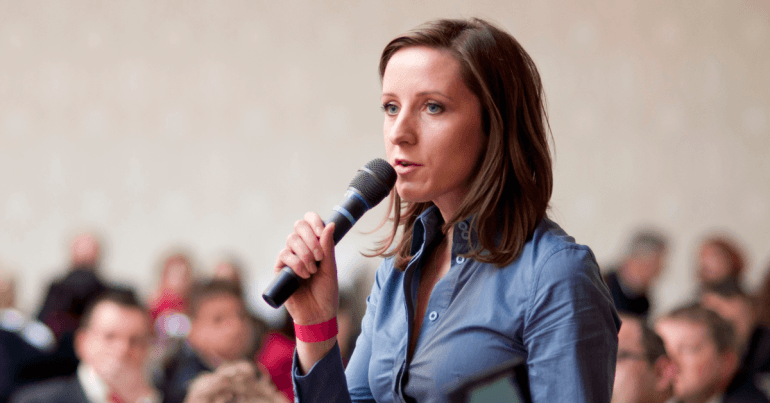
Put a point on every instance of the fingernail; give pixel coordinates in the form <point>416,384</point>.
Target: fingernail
<point>318,254</point>
<point>319,231</point>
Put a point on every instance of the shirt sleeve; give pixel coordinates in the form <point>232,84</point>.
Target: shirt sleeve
<point>327,380</point>
<point>570,331</point>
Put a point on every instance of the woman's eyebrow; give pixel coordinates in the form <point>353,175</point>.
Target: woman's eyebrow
<point>422,94</point>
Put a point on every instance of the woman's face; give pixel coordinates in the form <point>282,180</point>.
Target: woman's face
<point>713,264</point>
<point>178,277</point>
<point>433,132</point>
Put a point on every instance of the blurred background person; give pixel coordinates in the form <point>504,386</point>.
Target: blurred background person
<point>720,259</point>
<point>752,339</point>
<point>763,299</point>
<point>643,373</point>
<point>230,269</point>
<point>703,347</point>
<point>234,382</point>
<point>66,300</point>
<point>23,342</point>
<point>68,296</point>
<point>173,291</point>
<point>219,333</point>
<point>277,353</point>
<point>112,343</point>
<point>7,290</point>
<point>630,281</point>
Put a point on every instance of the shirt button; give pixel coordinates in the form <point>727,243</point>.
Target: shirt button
<point>463,226</point>
<point>460,260</point>
<point>433,316</point>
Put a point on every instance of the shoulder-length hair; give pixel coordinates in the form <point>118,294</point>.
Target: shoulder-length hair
<point>510,193</point>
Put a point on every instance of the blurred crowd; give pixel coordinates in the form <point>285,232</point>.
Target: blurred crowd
<point>194,340</point>
<point>715,348</point>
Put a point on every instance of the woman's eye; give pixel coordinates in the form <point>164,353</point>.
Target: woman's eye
<point>390,109</point>
<point>434,108</point>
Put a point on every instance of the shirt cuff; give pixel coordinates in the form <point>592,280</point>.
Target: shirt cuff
<point>325,382</point>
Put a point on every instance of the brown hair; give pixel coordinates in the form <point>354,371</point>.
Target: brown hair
<point>652,344</point>
<point>510,193</point>
<point>719,330</point>
<point>202,291</point>
<point>125,298</point>
<point>732,251</point>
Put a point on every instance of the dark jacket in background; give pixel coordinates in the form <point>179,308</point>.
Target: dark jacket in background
<point>178,371</point>
<point>624,302</point>
<point>60,390</point>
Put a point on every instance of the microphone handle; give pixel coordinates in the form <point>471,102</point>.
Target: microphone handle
<point>343,216</point>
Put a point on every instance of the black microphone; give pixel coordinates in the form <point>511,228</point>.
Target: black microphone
<point>367,189</point>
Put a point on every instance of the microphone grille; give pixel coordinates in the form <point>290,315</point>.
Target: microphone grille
<point>374,181</point>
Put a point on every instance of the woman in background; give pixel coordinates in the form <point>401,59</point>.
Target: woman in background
<point>720,260</point>
<point>479,275</point>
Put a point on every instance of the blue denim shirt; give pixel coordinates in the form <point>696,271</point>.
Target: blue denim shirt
<point>550,306</point>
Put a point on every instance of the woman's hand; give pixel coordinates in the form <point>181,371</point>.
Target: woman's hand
<point>309,252</point>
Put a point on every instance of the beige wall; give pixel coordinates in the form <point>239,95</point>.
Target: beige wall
<point>216,124</point>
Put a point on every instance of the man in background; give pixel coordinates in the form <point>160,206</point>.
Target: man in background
<point>23,342</point>
<point>66,300</point>
<point>730,302</point>
<point>643,373</point>
<point>702,345</point>
<point>68,296</point>
<point>112,344</point>
<point>219,333</point>
<point>631,281</point>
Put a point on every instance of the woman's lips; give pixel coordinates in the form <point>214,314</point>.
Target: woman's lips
<point>404,167</point>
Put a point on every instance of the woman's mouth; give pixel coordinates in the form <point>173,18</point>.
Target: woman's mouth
<point>403,167</point>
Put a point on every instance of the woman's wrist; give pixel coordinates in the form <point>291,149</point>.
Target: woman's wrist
<point>316,332</point>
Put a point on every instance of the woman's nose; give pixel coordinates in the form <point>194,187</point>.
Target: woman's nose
<point>403,129</point>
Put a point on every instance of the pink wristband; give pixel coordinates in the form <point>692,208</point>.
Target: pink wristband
<point>318,332</point>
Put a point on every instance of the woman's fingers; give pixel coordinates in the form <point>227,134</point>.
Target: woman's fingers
<point>315,222</point>
<point>309,241</point>
<point>287,258</point>
<point>303,247</point>
<point>298,246</point>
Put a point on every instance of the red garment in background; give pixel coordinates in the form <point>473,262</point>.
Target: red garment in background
<point>168,301</point>
<point>276,355</point>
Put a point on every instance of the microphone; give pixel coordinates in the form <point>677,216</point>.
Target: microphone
<point>367,189</point>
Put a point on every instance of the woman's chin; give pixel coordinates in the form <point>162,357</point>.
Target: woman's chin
<point>412,196</point>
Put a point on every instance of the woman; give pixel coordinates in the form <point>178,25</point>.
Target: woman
<point>720,260</point>
<point>480,275</point>
<point>176,279</point>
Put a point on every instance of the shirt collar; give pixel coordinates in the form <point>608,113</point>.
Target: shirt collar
<point>428,226</point>
<point>95,388</point>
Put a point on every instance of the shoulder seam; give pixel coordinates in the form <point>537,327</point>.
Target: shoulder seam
<point>539,270</point>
